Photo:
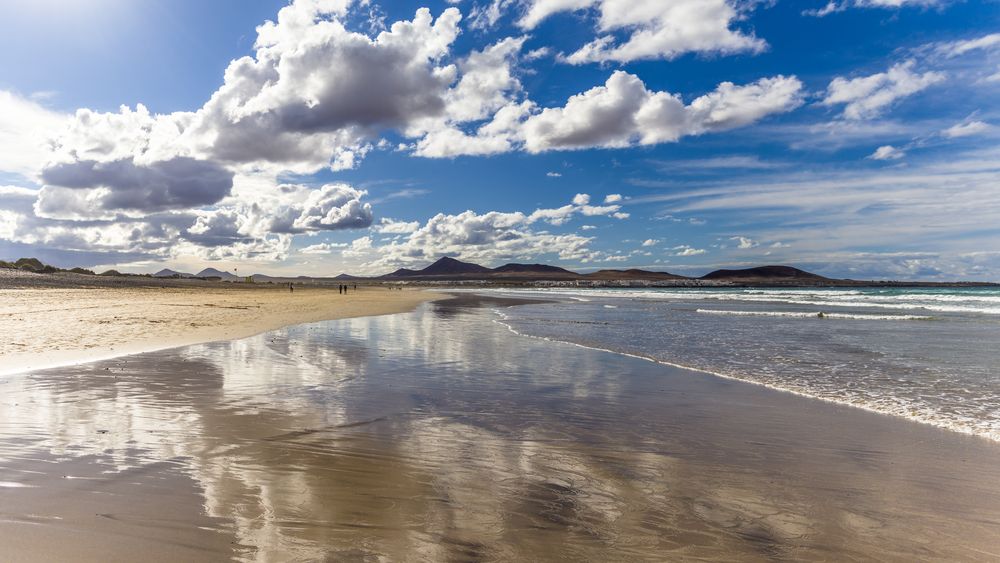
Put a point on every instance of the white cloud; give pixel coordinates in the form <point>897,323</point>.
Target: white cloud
<point>887,152</point>
<point>834,6</point>
<point>88,189</point>
<point>314,86</point>
<point>612,198</point>
<point>657,29</point>
<point>312,96</point>
<point>391,226</point>
<point>716,163</point>
<point>539,10</point>
<point>484,238</point>
<point>744,243</point>
<point>255,223</point>
<point>322,248</point>
<point>685,250</point>
<point>359,247</point>
<point>867,97</point>
<point>553,175</point>
<point>957,48</point>
<point>623,113</point>
<point>487,80</point>
<point>487,90</point>
<point>257,211</point>
<point>24,128</point>
<point>485,16</point>
<point>966,129</point>
<point>650,242</point>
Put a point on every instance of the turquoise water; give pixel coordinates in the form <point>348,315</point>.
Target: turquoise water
<point>927,354</point>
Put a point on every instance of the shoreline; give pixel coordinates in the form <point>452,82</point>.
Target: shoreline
<point>441,432</point>
<point>920,413</point>
<point>55,327</point>
<point>990,438</point>
<point>382,301</point>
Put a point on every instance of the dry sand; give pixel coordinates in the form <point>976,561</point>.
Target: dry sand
<point>47,327</point>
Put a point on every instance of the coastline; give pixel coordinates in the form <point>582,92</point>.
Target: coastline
<point>441,433</point>
<point>846,360</point>
<point>59,326</point>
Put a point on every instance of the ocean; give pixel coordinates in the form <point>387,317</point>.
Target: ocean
<point>927,354</point>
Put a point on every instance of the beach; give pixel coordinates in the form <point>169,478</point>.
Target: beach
<point>440,434</point>
<point>44,323</point>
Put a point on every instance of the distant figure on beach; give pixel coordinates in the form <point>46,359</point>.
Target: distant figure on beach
<point>340,289</point>
<point>290,288</point>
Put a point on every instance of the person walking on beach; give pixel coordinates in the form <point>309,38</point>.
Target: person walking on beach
<point>291,289</point>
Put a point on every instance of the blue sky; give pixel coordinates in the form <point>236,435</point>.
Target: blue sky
<point>854,138</point>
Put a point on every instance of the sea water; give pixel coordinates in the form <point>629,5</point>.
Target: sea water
<point>927,354</point>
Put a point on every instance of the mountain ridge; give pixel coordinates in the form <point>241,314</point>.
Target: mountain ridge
<point>765,272</point>
<point>451,270</point>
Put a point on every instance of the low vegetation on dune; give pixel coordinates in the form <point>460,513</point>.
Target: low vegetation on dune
<point>37,266</point>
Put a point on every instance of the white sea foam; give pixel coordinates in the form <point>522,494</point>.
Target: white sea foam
<point>986,302</point>
<point>948,387</point>
<point>816,315</point>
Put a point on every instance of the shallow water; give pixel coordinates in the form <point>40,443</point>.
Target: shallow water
<point>930,355</point>
<point>440,435</point>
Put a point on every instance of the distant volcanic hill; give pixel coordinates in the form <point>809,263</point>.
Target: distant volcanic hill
<point>450,269</point>
<point>213,273</point>
<point>533,272</point>
<point>168,273</point>
<point>632,274</point>
<point>532,268</point>
<point>442,268</point>
<point>772,273</point>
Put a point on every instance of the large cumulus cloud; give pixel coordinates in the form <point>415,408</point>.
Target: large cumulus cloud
<point>88,189</point>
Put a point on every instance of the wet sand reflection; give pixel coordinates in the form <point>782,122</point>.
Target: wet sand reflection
<point>440,435</point>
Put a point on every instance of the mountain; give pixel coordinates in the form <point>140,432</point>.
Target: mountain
<point>632,274</point>
<point>213,273</point>
<point>449,269</point>
<point>771,273</point>
<point>536,269</point>
<point>168,273</point>
<point>449,266</point>
<point>445,267</point>
<point>401,273</point>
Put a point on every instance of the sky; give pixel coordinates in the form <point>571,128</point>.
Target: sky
<point>853,138</point>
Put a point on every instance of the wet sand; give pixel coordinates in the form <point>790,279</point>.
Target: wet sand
<point>440,435</point>
<point>43,327</point>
